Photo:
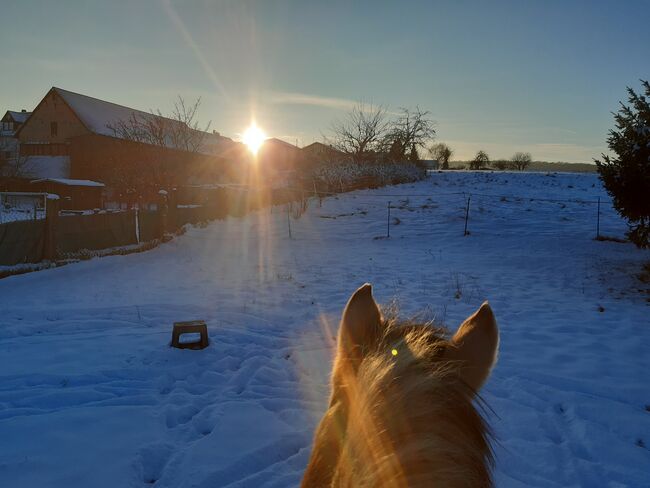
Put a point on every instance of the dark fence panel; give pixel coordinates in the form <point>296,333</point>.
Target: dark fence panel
<point>238,202</point>
<point>151,225</point>
<point>98,231</point>
<point>22,242</point>
<point>281,196</point>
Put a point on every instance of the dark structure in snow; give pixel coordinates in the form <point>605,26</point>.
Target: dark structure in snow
<point>73,194</point>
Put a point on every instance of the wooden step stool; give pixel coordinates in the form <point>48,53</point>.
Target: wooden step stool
<point>193,326</point>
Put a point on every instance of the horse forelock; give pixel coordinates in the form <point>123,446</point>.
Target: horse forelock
<point>402,416</point>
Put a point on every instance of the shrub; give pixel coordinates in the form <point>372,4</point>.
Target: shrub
<point>626,175</point>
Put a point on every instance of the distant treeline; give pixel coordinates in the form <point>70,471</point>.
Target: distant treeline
<point>539,166</point>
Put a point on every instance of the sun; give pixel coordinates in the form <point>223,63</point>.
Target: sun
<point>254,138</point>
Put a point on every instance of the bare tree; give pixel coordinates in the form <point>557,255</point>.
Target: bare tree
<point>521,160</point>
<point>481,160</point>
<point>150,128</point>
<point>362,133</point>
<point>186,132</point>
<point>412,128</point>
<point>442,153</point>
<point>17,166</point>
<point>179,130</point>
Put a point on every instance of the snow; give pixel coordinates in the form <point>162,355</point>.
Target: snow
<point>101,117</point>
<point>12,214</point>
<point>19,117</point>
<point>21,206</point>
<point>98,115</point>
<point>91,394</point>
<point>70,182</point>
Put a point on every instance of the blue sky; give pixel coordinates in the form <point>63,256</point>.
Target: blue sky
<point>501,76</point>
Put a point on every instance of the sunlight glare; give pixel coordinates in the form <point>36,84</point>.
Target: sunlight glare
<point>254,138</point>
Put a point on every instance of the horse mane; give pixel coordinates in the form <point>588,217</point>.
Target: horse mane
<point>405,417</point>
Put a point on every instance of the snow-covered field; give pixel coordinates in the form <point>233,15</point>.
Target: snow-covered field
<point>91,394</point>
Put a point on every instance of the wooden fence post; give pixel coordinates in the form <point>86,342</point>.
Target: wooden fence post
<point>289,219</point>
<point>388,221</point>
<point>137,224</point>
<point>598,221</point>
<point>163,209</point>
<point>51,220</point>
<point>467,214</point>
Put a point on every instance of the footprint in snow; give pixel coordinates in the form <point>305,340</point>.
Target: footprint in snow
<point>152,460</point>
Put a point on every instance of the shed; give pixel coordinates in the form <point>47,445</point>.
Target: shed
<point>74,194</point>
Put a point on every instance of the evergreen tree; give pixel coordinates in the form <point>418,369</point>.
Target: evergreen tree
<point>626,175</point>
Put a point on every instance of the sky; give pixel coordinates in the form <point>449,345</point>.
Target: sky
<point>499,76</point>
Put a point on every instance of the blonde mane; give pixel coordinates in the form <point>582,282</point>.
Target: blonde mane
<point>400,414</point>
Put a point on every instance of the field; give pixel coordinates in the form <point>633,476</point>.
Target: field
<point>544,166</point>
<point>91,394</point>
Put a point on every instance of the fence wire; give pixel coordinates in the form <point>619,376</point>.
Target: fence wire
<point>592,218</point>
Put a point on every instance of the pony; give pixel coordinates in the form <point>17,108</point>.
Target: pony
<point>402,408</point>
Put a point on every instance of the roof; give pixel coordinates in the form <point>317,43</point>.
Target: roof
<point>101,117</point>
<point>275,140</point>
<point>19,117</point>
<point>316,143</point>
<point>98,115</point>
<point>70,182</point>
<point>329,147</point>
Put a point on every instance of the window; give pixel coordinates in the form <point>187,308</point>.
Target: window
<point>54,129</point>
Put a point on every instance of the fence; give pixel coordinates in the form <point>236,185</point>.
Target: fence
<point>22,241</point>
<point>58,235</point>
<point>465,212</point>
<point>95,231</point>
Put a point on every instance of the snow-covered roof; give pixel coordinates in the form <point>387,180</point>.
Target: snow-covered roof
<point>70,182</point>
<point>101,117</point>
<point>19,117</point>
<point>98,115</point>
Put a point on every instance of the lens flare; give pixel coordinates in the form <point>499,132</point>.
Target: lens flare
<point>253,137</point>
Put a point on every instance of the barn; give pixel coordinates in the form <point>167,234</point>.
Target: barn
<point>85,138</point>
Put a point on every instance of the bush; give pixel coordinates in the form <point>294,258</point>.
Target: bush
<point>348,175</point>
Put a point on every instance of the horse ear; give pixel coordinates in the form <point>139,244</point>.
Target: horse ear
<point>476,344</point>
<point>360,325</point>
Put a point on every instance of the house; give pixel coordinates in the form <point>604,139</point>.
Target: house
<point>278,154</point>
<point>9,124</point>
<point>74,136</point>
<point>277,161</point>
<point>324,153</point>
